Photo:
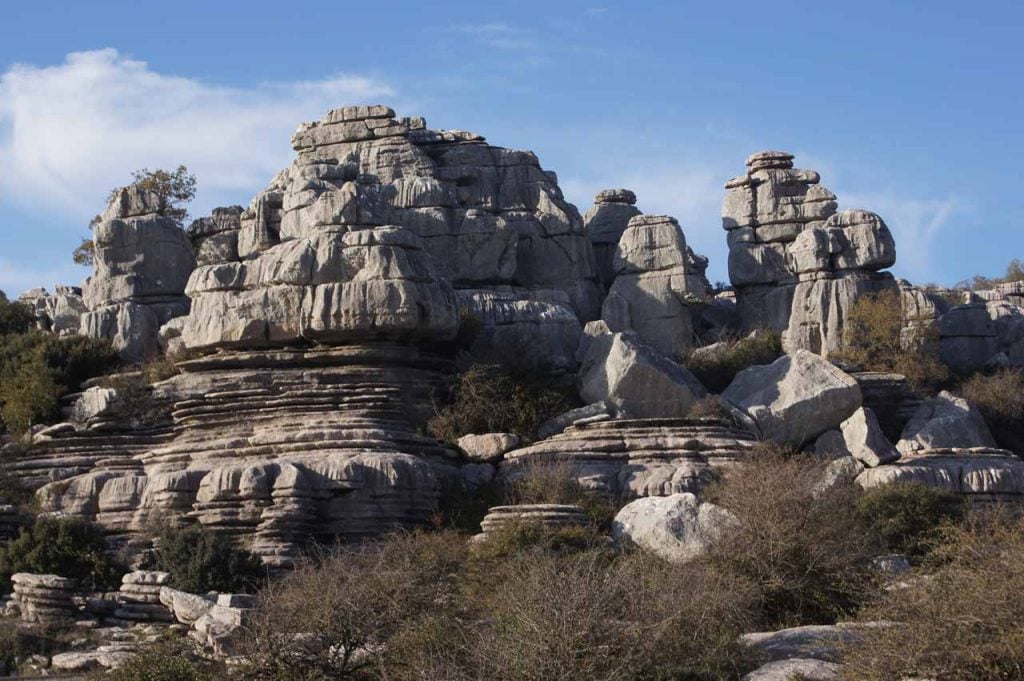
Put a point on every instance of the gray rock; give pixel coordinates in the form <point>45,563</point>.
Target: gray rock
<point>861,437</point>
<point>796,398</point>
<point>634,379</point>
<point>488,447</point>
<point>96,402</point>
<point>945,422</point>
<point>814,642</point>
<point>797,668</point>
<point>655,288</point>
<point>981,473</point>
<point>588,413</point>
<point>678,528</point>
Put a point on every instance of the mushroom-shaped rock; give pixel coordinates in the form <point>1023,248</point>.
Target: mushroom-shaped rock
<point>604,223</point>
<point>635,379</point>
<point>677,528</point>
<point>796,398</point>
<point>943,422</point>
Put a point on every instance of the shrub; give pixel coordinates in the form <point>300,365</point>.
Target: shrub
<point>200,560</point>
<point>521,538</point>
<point>799,545</point>
<point>168,660</point>
<point>716,370</point>
<point>1000,399</point>
<point>138,405</point>
<point>18,642</point>
<point>36,368</point>
<point>873,339</point>
<point>15,317</point>
<point>490,399</point>
<point>62,546</point>
<point>557,482</point>
<point>709,407</point>
<point>588,615</point>
<point>908,518</point>
<point>960,623</point>
<point>330,620</point>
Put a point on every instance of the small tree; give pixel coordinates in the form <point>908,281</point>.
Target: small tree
<point>175,189</point>
<point>61,546</point>
<point>15,317</point>
<point>201,561</point>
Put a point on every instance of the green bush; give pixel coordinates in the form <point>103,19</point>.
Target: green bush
<point>908,519</point>
<point>491,399</point>
<point>62,546</point>
<point>201,561</point>
<point>962,622</point>
<point>37,368</point>
<point>716,370</point>
<point>1000,399</point>
<point>15,317</point>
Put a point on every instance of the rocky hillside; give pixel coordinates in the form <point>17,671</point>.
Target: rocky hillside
<point>312,340</point>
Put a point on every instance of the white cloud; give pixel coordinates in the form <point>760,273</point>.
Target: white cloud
<point>915,225</point>
<point>501,36</point>
<point>70,132</point>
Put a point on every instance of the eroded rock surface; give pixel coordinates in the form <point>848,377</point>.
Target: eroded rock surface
<point>677,528</point>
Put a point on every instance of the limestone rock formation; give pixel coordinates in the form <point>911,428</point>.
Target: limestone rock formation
<point>945,422</point>
<point>629,375</point>
<point>658,283</point>
<point>139,597</point>
<point>487,217</point>
<point>796,265</point>
<point>215,238</point>
<point>487,447</point>
<point>677,528</point>
<point>763,212</point>
<point>60,312</point>
<point>861,437</point>
<point>605,222</point>
<point>142,262</point>
<point>43,598</point>
<point>979,473</point>
<point>807,669</point>
<point>630,458</point>
<point>794,399</point>
<point>548,516</point>
<point>985,333</point>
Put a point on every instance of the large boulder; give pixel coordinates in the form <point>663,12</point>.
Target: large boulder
<point>677,528</point>
<point>658,284</point>
<point>861,437</point>
<point>945,422</point>
<point>631,376</point>
<point>794,399</point>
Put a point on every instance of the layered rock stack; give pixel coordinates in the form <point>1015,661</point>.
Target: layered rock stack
<point>797,265</point>
<point>547,516</point>
<point>985,333</point>
<point>764,211</point>
<point>215,238</point>
<point>142,262</point>
<point>44,598</point>
<point>658,284</point>
<point>139,597</point>
<point>630,458</point>
<point>605,222</point>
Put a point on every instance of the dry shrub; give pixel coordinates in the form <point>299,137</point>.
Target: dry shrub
<point>873,339</point>
<point>1000,399</point>
<point>962,622</point>
<point>331,620</point>
<point>557,482</point>
<point>716,371</point>
<point>494,399</point>
<point>709,407</point>
<point>908,518</point>
<point>799,545</point>
<point>556,617</point>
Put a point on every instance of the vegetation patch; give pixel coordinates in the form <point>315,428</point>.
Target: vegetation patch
<point>200,561</point>
<point>1000,399</point>
<point>62,546</point>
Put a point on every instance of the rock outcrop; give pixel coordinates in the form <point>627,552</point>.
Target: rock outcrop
<point>44,598</point>
<point>861,437</point>
<point>659,283</point>
<point>979,473</point>
<point>794,399</point>
<point>60,312</point>
<point>945,422</point>
<point>604,223</point>
<point>548,516</point>
<point>142,263</point>
<point>635,380</point>
<point>677,528</point>
<point>796,265</point>
<point>139,597</point>
<point>630,458</point>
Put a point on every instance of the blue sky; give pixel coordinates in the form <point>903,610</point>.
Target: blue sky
<point>910,109</point>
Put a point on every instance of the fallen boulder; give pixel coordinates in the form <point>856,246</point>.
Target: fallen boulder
<point>677,528</point>
<point>945,422</point>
